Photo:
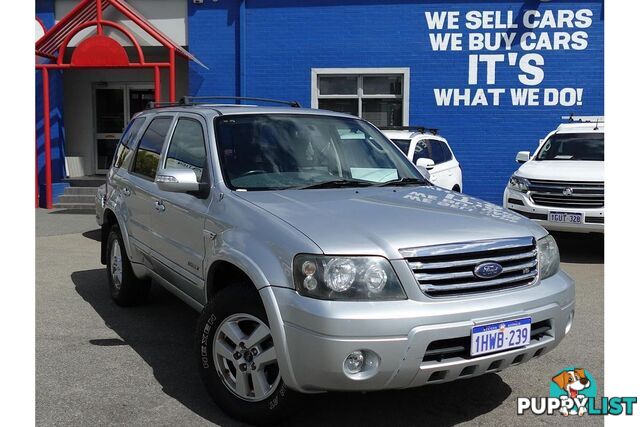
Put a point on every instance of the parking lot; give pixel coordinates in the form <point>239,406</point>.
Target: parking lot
<point>99,364</point>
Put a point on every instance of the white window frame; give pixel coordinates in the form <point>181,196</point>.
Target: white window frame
<point>337,72</point>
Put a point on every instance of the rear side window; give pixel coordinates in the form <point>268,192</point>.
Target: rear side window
<point>443,149</point>
<point>124,152</point>
<point>150,147</point>
<point>187,149</point>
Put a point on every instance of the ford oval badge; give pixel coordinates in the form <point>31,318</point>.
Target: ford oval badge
<point>487,270</point>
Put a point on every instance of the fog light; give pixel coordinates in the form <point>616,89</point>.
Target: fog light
<point>354,362</point>
<point>569,324</point>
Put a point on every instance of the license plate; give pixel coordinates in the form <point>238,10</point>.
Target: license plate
<point>500,336</point>
<point>570,217</point>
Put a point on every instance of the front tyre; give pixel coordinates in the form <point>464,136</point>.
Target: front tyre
<point>237,358</point>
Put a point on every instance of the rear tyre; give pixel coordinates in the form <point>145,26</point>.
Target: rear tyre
<point>237,358</point>
<point>126,289</point>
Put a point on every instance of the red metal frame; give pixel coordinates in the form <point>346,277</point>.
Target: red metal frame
<point>89,13</point>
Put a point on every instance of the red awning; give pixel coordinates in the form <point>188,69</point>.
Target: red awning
<point>87,11</point>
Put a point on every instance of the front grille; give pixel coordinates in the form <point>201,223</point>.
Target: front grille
<point>448,270</point>
<point>567,194</point>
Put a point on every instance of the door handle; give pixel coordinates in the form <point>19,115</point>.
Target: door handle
<point>159,206</point>
<point>126,191</point>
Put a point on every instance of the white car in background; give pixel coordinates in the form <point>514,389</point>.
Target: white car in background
<point>562,185</point>
<point>424,147</point>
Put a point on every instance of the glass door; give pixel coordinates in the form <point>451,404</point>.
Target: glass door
<point>115,104</point>
<point>110,122</point>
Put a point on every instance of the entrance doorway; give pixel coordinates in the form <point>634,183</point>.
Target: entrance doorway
<point>115,104</point>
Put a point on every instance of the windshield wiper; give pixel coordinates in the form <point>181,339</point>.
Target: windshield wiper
<point>404,181</point>
<point>336,183</point>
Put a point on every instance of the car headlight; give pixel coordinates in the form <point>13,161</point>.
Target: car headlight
<point>349,278</point>
<point>518,183</point>
<point>548,257</point>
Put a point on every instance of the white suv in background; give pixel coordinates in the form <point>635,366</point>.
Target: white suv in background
<point>424,147</point>
<point>562,185</point>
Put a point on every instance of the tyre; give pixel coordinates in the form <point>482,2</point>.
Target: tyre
<point>237,358</point>
<point>456,188</point>
<point>126,289</point>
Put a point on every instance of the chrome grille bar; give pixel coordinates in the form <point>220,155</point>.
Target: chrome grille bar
<point>582,194</point>
<point>449,270</point>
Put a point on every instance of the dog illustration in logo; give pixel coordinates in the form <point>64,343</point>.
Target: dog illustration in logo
<point>573,382</point>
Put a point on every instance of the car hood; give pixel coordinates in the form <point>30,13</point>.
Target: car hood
<point>380,221</point>
<point>563,170</point>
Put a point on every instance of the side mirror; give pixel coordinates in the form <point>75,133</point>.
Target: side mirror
<point>426,163</point>
<point>177,180</point>
<point>523,156</point>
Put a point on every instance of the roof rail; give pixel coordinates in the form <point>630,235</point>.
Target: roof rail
<point>152,104</point>
<point>189,100</point>
<point>421,129</point>
<point>583,119</point>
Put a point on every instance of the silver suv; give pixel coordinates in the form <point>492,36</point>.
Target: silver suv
<point>319,257</point>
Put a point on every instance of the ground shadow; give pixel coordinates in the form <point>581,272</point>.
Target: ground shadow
<point>93,235</point>
<point>580,248</point>
<point>162,333</point>
<point>73,212</point>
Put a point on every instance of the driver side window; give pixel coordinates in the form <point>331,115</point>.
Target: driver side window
<point>187,148</point>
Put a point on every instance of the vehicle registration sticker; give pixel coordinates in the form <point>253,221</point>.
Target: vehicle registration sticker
<point>500,336</point>
<point>570,217</point>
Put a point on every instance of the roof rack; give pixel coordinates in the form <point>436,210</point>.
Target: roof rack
<point>421,129</point>
<point>199,100</point>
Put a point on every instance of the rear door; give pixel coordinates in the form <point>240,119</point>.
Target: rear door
<point>141,185</point>
<point>179,218</point>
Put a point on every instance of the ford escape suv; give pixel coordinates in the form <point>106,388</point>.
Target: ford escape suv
<point>319,258</point>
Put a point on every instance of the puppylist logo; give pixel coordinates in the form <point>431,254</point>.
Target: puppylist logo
<point>573,391</point>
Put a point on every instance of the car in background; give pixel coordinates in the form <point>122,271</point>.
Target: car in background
<point>424,147</point>
<point>562,185</point>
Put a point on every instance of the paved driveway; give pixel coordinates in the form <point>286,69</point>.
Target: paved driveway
<point>98,364</point>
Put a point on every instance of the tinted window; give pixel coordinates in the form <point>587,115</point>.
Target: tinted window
<point>124,151</point>
<point>402,144</point>
<point>187,150</point>
<point>437,153</point>
<point>446,152</point>
<point>422,151</point>
<point>148,154</point>
<point>573,146</point>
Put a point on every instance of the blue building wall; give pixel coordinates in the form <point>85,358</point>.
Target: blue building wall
<point>267,48</point>
<point>45,12</point>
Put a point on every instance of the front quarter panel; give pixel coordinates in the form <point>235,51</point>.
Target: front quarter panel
<point>254,240</point>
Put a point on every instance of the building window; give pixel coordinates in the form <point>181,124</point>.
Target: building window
<point>379,95</point>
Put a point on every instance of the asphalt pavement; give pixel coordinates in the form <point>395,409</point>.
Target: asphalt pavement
<point>99,364</point>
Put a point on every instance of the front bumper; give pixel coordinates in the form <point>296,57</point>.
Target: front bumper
<point>313,337</point>
<point>593,219</point>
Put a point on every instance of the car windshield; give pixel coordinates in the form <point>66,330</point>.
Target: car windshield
<point>280,151</point>
<point>402,144</point>
<point>573,146</point>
